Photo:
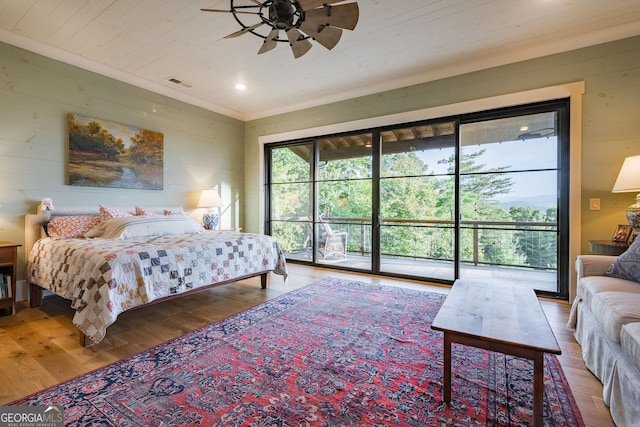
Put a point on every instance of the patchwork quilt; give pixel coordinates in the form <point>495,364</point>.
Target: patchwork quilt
<point>105,277</point>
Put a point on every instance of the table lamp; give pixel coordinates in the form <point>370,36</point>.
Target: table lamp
<point>629,181</point>
<point>210,199</point>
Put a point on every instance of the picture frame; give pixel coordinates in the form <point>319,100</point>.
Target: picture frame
<point>108,154</point>
<point>622,234</point>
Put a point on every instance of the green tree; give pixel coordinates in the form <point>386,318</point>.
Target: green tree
<point>408,190</point>
<point>539,246</point>
<point>290,197</point>
<point>478,185</point>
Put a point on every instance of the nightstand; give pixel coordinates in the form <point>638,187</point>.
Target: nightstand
<point>607,247</point>
<point>8,263</point>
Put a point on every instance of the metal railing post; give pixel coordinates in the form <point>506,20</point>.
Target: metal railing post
<point>476,239</point>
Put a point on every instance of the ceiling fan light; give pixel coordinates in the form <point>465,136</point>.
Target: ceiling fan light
<point>281,14</point>
<point>301,20</point>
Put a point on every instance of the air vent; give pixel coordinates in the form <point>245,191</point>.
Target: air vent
<point>179,82</point>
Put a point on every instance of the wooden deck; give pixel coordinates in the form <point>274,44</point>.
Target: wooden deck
<point>542,280</point>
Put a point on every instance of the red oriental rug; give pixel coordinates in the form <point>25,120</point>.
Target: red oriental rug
<point>335,353</point>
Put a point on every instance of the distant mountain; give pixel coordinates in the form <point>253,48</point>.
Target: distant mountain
<point>537,202</point>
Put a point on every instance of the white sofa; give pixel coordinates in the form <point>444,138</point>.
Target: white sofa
<point>606,318</point>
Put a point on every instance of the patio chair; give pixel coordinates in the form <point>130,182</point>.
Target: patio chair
<point>331,242</point>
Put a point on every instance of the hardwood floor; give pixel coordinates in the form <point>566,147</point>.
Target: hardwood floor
<point>40,348</point>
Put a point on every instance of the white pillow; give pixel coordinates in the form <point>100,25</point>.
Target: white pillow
<point>145,226</point>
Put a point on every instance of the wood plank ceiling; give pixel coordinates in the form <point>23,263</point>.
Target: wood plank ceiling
<point>395,44</point>
<point>431,137</point>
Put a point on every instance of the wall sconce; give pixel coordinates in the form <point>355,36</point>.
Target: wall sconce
<point>629,181</point>
<point>209,199</point>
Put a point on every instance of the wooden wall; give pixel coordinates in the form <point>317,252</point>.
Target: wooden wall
<point>201,148</point>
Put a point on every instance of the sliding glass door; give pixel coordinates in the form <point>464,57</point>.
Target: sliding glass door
<point>417,200</point>
<point>343,221</point>
<point>290,201</point>
<point>481,196</point>
<point>510,188</point>
<point>320,199</point>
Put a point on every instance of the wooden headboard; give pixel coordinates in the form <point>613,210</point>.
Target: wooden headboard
<point>33,223</point>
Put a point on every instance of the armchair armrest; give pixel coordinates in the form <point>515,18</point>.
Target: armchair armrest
<point>593,265</point>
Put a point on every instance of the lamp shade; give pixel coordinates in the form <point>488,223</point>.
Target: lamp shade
<point>629,176</point>
<point>209,199</point>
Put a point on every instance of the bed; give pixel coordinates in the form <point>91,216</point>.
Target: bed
<point>132,260</point>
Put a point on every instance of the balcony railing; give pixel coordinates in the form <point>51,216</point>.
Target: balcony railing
<point>500,243</point>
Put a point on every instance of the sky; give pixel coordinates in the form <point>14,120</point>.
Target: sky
<point>539,153</point>
<point>117,130</point>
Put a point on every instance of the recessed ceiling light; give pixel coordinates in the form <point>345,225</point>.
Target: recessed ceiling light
<point>524,128</point>
<point>241,87</point>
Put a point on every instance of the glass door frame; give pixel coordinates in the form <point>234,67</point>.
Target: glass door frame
<point>561,106</point>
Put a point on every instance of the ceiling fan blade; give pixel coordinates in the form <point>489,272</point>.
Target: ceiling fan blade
<point>299,45</point>
<point>229,11</point>
<point>270,42</point>
<point>244,30</point>
<point>310,4</point>
<point>326,36</point>
<point>342,16</point>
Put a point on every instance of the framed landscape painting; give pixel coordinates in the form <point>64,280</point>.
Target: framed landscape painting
<point>106,154</point>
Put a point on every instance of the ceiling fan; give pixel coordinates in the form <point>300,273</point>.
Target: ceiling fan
<point>300,20</point>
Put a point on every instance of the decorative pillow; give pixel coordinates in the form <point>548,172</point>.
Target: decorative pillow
<point>142,211</point>
<point>108,213</point>
<point>627,265</point>
<point>145,226</point>
<point>72,226</point>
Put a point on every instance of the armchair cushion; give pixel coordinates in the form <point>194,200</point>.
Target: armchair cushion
<point>615,309</point>
<point>627,265</point>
